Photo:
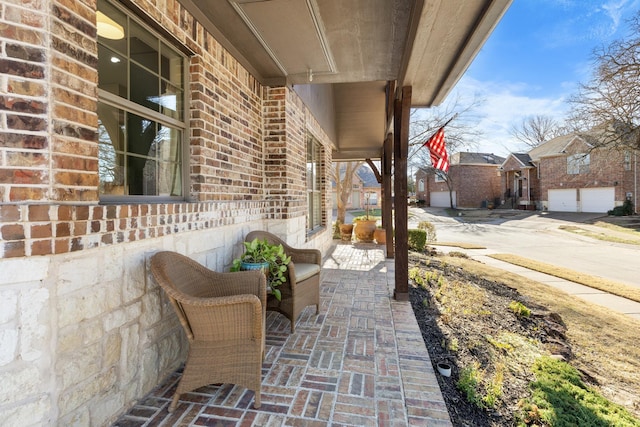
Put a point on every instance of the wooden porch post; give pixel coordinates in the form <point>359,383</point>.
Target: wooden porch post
<point>401,151</point>
<point>387,206</point>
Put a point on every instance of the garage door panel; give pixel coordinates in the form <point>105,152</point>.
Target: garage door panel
<point>440,199</point>
<point>563,200</point>
<point>598,200</point>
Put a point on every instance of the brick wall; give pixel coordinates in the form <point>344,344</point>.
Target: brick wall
<point>606,169</point>
<point>473,184</point>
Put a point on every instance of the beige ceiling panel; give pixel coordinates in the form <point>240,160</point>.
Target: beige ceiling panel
<point>295,39</point>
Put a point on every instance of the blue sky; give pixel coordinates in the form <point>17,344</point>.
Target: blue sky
<point>534,60</point>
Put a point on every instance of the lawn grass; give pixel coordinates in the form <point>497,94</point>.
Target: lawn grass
<point>604,343</point>
<point>605,285</point>
<point>372,213</point>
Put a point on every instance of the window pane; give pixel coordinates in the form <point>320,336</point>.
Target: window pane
<point>112,75</point>
<point>141,176</point>
<point>143,48</point>
<point>144,88</point>
<point>110,144</point>
<point>170,100</point>
<point>141,133</point>
<point>171,65</point>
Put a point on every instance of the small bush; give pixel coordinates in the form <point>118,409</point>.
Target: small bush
<point>625,210</point>
<point>430,229</point>
<point>417,239</point>
<point>519,309</point>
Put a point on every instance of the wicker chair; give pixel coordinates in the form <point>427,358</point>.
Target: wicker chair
<point>223,315</point>
<point>302,287</point>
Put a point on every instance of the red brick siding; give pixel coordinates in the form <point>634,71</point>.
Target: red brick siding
<point>473,184</point>
<point>48,124</point>
<point>606,169</point>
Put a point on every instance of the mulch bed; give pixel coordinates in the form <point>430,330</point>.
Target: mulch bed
<point>470,334</point>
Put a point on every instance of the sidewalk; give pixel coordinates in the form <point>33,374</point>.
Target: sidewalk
<point>595,296</point>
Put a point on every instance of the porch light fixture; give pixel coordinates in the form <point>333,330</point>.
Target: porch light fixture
<point>108,28</point>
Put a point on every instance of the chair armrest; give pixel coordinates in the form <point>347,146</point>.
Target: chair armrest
<point>306,256</point>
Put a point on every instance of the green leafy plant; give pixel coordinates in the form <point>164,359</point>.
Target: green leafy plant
<point>519,309</point>
<point>483,393</point>
<point>260,251</point>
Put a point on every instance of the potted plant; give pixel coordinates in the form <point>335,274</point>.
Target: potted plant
<point>271,259</point>
<point>364,227</point>
<point>380,235</point>
<point>346,230</point>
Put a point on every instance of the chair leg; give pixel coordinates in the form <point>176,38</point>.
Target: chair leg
<point>257,401</point>
<point>174,402</point>
<point>317,309</point>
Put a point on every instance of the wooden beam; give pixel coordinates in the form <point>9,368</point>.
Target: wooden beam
<point>387,204</point>
<point>375,170</point>
<point>402,108</point>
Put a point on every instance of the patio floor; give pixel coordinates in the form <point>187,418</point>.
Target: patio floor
<point>361,362</point>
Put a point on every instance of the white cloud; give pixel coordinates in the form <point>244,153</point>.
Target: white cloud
<point>506,105</point>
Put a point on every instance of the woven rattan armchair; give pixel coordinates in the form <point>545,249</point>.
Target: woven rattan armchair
<point>223,315</point>
<point>302,287</point>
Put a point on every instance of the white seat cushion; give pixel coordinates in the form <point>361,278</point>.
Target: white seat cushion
<point>304,271</point>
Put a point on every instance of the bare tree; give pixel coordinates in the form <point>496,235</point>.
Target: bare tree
<point>461,132</point>
<point>611,99</point>
<point>534,130</point>
<point>343,173</point>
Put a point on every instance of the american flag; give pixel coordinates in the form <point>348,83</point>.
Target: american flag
<point>438,151</point>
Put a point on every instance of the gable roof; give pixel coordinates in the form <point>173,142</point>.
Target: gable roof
<point>367,176</point>
<point>465,158</point>
<point>558,146</point>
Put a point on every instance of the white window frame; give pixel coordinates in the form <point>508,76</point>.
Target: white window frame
<point>578,163</point>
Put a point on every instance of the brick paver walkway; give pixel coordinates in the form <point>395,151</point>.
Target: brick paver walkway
<point>361,362</point>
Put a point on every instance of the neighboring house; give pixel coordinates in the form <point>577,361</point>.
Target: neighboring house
<point>567,174</point>
<point>474,178</point>
<point>133,126</point>
<point>365,190</point>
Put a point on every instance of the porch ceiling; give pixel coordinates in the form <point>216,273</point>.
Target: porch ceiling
<point>357,46</point>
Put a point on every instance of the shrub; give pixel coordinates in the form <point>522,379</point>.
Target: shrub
<point>417,239</point>
<point>519,309</point>
<point>624,210</point>
<point>429,228</point>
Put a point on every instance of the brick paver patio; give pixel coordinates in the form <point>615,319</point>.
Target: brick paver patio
<point>361,362</point>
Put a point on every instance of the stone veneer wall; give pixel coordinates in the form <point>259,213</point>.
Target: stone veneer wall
<point>84,331</point>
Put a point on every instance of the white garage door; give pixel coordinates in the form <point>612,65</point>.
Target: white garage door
<point>597,199</point>
<point>563,200</point>
<point>440,199</point>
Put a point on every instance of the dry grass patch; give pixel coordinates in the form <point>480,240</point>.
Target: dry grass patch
<point>604,343</point>
<point>607,237</point>
<point>605,285</point>
<point>460,245</point>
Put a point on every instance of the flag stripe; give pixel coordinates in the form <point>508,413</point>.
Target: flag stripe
<point>438,151</point>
